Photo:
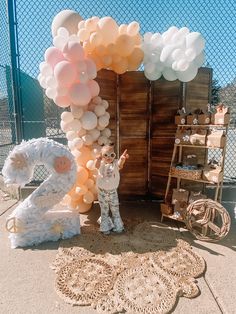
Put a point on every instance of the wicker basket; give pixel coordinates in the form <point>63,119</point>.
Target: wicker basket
<point>186,174</point>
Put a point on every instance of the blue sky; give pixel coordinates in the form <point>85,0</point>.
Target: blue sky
<point>216,20</point>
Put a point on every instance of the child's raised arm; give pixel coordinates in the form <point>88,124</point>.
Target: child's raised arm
<point>122,159</point>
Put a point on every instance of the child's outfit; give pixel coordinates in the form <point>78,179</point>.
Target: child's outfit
<point>107,183</point>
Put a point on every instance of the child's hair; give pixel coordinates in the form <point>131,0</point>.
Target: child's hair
<point>110,144</point>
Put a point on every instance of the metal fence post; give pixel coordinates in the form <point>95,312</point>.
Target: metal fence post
<point>15,69</point>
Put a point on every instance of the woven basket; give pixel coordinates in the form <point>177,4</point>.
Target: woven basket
<point>186,174</point>
<point>208,220</point>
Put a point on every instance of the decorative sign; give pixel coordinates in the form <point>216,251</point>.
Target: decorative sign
<point>41,217</point>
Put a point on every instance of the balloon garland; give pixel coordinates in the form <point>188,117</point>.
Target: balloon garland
<point>81,48</point>
<point>175,54</point>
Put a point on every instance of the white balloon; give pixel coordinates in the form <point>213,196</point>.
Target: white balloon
<point>180,35</point>
<point>190,54</point>
<point>45,69</point>
<point>51,82</point>
<point>188,75</point>
<point>95,133</point>
<point>147,37</point>
<point>169,74</point>
<point>107,114</point>
<point>149,67</point>
<point>60,42</point>
<point>64,126</point>
<point>168,35</point>
<point>75,125</point>
<point>103,121</point>
<point>77,143</point>
<point>152,76</point>
<point>82,132</point>
<point>195,41</point>
<point>87,138</point>
<point>97,100</point>
<point>178,54</point>
<point>62,31</point>
<point>74,38</point>
<point>67,116</point>
<point>155,57</point>
<point>99,110</point>
<point>51,92</point>
<point>43,82</point>
<point>182,65</point>
<point>156,40</point>
<point>166,54</point>
<point>106,132</point>
<point>159,66</point>
<point>81,66</point>
<point>102,140</point>
<point>105,103</point>
<point>199,60</point>
<point>71,135</point>
<point>76,111</point>
<point>89,120</point>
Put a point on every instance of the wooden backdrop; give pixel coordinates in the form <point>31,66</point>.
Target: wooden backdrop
<point>142,120</point>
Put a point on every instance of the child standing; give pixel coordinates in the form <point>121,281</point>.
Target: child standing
<point>107,183</point>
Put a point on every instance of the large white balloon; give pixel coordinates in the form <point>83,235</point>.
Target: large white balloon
<point>188,75</point>
<point>68,19</point>
<point>89,120</point>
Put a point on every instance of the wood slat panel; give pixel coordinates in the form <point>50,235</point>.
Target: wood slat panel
<point>134,174</point>
<point>167,98</point>
<point>198,90</point>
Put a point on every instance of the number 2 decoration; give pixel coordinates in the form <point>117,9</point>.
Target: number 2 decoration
<point>41,217</point>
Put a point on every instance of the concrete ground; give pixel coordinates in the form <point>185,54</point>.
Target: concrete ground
<point>27,282</point>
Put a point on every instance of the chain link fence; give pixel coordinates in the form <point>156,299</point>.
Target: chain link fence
<point>32,24</point>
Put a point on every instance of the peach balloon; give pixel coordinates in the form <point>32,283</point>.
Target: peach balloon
<point>84,157</point>
<point>83,34</point>
<point>120,67</point>
<point>123,29</point>
<point>65,73</point>
<point>108,28</point>
<point>53,56</point>
<point>107,60</point>
<point>124,45</point>
<point>95,39</point>
<point>62,101</point>
<point>73,51</point>
<point>80,94</point>
<point>82,175</point>
<point>81,190</point>
<point>88,48</point>
<point>133,28</point>
<point>88,197</point>
<point>94,88</point>
<point>100,50</point>
<point>83,207</point>
<point>135,59</point>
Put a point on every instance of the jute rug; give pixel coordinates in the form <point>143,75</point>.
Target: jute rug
<point>144,270</point>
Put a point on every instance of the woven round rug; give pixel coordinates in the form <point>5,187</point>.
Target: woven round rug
<point>136,272</point>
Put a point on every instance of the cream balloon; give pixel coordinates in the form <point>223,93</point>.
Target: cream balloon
<point>68,19</point>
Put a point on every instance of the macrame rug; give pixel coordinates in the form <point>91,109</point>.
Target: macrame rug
<point>144,270</point>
